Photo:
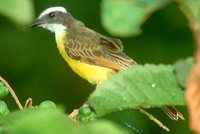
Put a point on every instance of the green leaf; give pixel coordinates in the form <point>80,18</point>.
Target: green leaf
<point>36,121</point>
<point>98,127</point>
<point>51,121</point>
<point>131,121</point>
<point>138,86</point>
<point>20,11</point>
<point>125,17</point>
<point>191,8</point>
<point>182,70</point>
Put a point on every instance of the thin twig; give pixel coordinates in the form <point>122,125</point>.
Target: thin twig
<point>12,93</point>
<point>74,113</point>
<point>73,116</point>
<point>151,117</point>
<point>28,103</point>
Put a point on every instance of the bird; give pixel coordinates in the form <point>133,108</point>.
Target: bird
<point>93,56</point>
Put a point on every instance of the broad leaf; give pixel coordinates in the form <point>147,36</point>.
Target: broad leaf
<point>124,17</point>
<point>20,11</point>
<point>182,70</point>
<point>51,121</point>
<point>190,8</point>
<point>139,86</point>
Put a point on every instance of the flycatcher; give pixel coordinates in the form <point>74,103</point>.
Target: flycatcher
<point>92,56</point>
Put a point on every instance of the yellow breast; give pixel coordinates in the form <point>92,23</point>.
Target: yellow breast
<point>94,74</point>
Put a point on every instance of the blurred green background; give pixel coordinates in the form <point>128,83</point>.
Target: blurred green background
<point>32,65</point>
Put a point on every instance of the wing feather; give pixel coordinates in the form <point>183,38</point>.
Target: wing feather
<point>93,48</point>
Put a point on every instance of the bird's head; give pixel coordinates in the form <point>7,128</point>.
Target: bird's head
<point>55,19</point>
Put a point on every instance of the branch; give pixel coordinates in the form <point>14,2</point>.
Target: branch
<point>12,92</point>
<point>193,84</point>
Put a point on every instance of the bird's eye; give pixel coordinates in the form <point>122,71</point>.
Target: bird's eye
<point>51,15</point>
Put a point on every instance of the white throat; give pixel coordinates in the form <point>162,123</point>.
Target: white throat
<point>56,28</point>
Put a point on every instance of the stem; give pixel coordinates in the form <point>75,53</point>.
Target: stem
<point>195,27</point>
<point>193,83</point>
<point>12,92</point>
<point>151,117</point>
<point>28,103</point>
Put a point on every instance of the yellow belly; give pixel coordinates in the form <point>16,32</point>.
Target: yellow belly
<point>94,74</point>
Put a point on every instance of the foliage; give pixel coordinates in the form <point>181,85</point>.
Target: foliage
<point>125,17</point>
<point>182,70</point>
<point>20,11</point>
<point>54,121</point>
<point>142,86</point>
<point>138,86</point>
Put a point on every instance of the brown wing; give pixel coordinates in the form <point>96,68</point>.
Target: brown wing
<point>111,44</point>
<point>96,49</point>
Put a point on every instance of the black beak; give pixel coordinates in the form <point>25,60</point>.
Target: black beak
<point>36,23</point>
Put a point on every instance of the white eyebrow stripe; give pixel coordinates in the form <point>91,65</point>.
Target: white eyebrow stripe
<point>52,9</point>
